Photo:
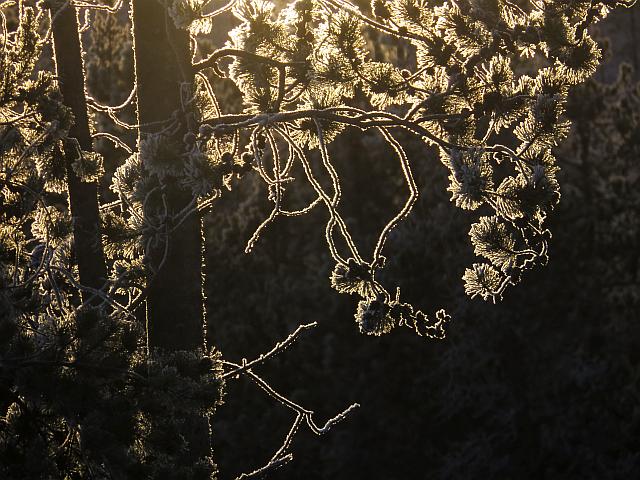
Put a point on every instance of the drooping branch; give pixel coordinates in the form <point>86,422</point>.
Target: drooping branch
<point>282,455</point>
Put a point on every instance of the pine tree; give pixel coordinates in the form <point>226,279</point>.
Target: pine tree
<point>175,317</point>
<point>79,156</point>
<point>485,84</point>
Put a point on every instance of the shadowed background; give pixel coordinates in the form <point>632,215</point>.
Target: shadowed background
<point>545,384</point>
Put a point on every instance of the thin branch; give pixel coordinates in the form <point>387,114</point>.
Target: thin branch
<point>277,348</point>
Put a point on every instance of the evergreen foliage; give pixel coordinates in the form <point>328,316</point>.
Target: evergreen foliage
<point>84,394</point>
<point>538,386</point>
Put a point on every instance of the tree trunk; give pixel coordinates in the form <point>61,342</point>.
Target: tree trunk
<point>175,301</point>
<point>83,196</point>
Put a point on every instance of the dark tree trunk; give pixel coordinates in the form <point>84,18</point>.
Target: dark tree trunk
<point>83,196</point>
<point>175,301</point>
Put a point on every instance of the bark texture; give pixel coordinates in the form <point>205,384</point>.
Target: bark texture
<point>83,196</point>
<point>174,302</point>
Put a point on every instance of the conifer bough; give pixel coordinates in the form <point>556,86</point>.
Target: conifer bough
<point>90,391</point>
<point>486,83</point>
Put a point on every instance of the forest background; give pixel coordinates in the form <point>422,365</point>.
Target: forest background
<point>545,384</point>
